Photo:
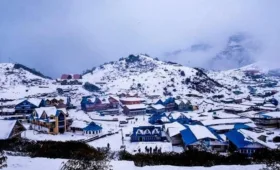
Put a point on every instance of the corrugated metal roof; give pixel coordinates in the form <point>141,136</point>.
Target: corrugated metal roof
<point>92,127</point>
<point>237,139</point>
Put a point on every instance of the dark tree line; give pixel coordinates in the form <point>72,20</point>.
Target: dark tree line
<point>187,158</point>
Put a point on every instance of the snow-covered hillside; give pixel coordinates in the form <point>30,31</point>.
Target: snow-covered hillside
<point>146,75</point>
<point>18,81</point>
<point>13,75</point>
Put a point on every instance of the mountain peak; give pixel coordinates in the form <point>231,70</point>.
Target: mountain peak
<point>237,53</point>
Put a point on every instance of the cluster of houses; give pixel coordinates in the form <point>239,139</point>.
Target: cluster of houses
<point>132,106</point>
<point>69,79</point>
<point>47,115</point>
<point>209,131</point>
<point>239,123</point>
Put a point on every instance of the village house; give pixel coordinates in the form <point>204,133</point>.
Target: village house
<point>109,104</point>
<point>92,130</point>
<point>78,126</point>
<point>26,107</point>
<point>10,129</point>
<point>146,134</point>
<point>50,120</point>
<point>157,108</point>
<point>183,105</point>
<point>69,76</point>
<point>242,143</point>
<point>58,102</point>
<point>131,100</point>
<point>200,137</point>
<point>134,109</point>
<point>69,79</point>
<point>269,119</point>
<point>160,119</point>
<point>169,103</point>
<point>178,117</point>
<point>172,131</point>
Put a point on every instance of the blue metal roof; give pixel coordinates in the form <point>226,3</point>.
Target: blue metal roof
<point>237,139</point>
<point>144,128</point>
<point>238,126</point>
<point>216,134</point>
<point>92,127</point>
<point>156,117</point>
<point>188,137</point>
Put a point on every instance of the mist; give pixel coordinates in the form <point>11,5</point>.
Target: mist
<point>69,36</point>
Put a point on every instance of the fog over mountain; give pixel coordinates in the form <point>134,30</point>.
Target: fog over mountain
<point>69,36</point>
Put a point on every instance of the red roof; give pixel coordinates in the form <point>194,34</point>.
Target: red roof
<point>64,76</point>
<point>77,76</point>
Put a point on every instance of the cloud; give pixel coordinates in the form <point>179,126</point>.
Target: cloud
<point>71,36</point>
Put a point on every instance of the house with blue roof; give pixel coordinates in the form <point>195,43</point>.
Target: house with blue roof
<point>108,104</point>
<point>268,119</point>
<point>158,119</point>
<point>242,143</point>
<point>178,117</point>
<point>221,129</point>
<point>27,106</point>
<point>157,108</point>
<point>146,134</point>
<point>50,120</point>
<point>168,103</point>
<point>92,130</point>
<point>202,138</point>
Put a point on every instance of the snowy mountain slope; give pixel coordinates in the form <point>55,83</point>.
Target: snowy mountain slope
<point>12,75</point>
<point>16,81</point>
<point>238,52</point>
<point>146,75</point>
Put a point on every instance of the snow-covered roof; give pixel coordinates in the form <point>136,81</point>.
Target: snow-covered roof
<point>267,108</point>
<point>63,110</point>
<point>6,128</point>
<point>272,114</point>
<point>269,105</point>
<point>249,114</point>
<point>176,115</point>
<point>50,111</point>
<point>136,106</point>
<point>178,102</point>
<point>225,121</point>
<point>35,101</point>
<point>158,106</point>
<point>255,137</point>
<point>201,132</point>
<point>57,98</point>
<point>236,107</point>
<point>174,128</point>
<point>248,103</point>
<point>131,99</point>
<point>223,115</point>
<point>78,124</point>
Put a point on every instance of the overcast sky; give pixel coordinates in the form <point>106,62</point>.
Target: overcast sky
<point>69,36</point>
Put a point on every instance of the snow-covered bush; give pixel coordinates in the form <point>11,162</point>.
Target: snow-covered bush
<point>3,160</point>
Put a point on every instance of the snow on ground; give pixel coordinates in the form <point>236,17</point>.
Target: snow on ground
<point>67,136</point>
<point>26,163</point>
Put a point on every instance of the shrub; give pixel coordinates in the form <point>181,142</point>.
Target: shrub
<point>3,160</point>
<point>90,87</point>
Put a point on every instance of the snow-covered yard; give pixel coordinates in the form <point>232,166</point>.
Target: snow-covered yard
<point>26,163</point>
<point>67,136</point>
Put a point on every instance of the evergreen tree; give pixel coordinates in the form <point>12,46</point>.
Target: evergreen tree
<point>86,165</point>
<point>3,160</point>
